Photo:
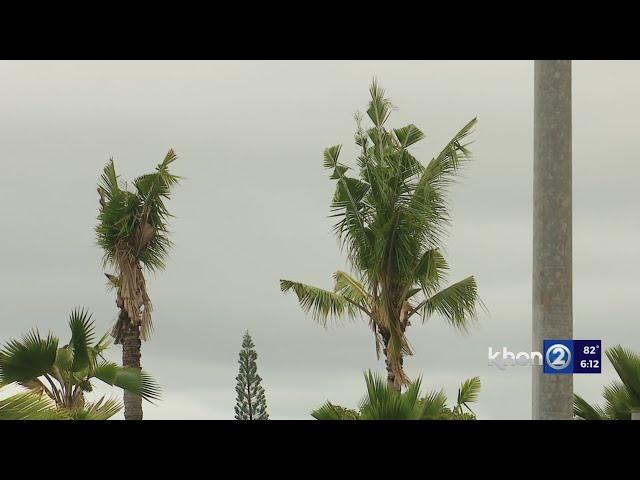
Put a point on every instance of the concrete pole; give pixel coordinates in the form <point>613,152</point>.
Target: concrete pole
<point>552,279</point>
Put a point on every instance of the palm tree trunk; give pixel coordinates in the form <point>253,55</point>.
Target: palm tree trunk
<point>394,383</point>
<point>131,358</point>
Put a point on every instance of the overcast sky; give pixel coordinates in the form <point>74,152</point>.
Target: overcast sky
<point>254,206</point>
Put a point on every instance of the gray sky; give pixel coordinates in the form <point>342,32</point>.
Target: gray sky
<point>253,209</point>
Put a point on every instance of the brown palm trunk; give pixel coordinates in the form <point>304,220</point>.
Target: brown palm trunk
<point>131,358</point>
<point>393,382</point>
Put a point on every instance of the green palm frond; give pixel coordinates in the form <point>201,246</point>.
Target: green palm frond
<point>440,171</point>
<point>627,365</point>
<point>468,393</point>
<point>431,270</point>
<point>456,303</point>
<point>379,107</point>
<point>29,406</point>
<point>27,359</point>
<point>583,410</point>
<point>103,409</point>
<point>433,405</point>
<point>408,135</point>
<point>108,185</point>
<point>130,379</point>
<point>352,289</point>
<point>329,412</point>
<point>323,304</point>
<point>82,335</point>
<point>618,401</point>
<point>385,403</point>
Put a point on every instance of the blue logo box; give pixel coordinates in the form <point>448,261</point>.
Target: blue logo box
<point>562,357</point>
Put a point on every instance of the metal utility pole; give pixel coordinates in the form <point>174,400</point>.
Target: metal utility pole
<point>552,277</point>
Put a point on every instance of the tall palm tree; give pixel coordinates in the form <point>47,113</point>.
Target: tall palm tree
<point>383,402</point>
<point>391,220</point>
<point>622,398</point>
<point>132,231</point>
<point>64,375</point>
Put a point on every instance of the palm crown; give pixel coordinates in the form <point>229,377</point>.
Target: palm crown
<point>132,231</point>
<point>391,220</point>
<point>65,374</point>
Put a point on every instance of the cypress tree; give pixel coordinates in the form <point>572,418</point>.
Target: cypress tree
<point>251,403</point>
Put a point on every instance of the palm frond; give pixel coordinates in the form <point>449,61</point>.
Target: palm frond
<point>27,359</point>
<point>328,411</point>
<point>627,365</point>
<point>82,336</point>
<point>583,410</point>
<point>29,406</point>
<point>108,185</point>
<point>322,304</point>
<point>468,393</point>
<point>103,409</point>
<point>456,303</point>
<point>132,380</point>
<point>350,288</point>
<point>433,405</point>
<point>408,135</point>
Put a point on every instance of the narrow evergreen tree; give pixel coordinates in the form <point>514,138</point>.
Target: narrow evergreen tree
<point>251,403</point>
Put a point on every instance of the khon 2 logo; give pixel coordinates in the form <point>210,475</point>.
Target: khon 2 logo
<point>572,356</point>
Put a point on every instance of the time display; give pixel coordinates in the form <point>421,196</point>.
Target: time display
<point>588,356</point>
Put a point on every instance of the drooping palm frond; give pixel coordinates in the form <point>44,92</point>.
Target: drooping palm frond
<point>29,406</point>
<point>129,379</point>
<point>457,303</point>
<point>322,304</point>
<point>352,289</point>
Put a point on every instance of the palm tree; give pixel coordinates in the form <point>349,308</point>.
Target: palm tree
<point>383,402</point>
<point>622,398</point>
<point>61,376</point>
<point>392,219</point>
<point>132,231</point>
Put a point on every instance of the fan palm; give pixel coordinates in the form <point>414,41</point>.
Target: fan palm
<point>132,232</point>
<point>391,220</point>
<point>622,398</point>
<point>61,376</point>
<point>383,402</point>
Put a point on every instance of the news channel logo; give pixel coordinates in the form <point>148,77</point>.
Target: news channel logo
<point>563,357</point>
